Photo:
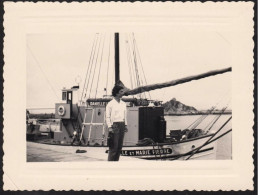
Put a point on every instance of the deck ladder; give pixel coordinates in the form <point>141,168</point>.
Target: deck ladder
<point>84,124</point>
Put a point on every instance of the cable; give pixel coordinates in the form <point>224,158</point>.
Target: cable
<point>209,138</point>
<point>137,50</point>
<point>190,152</point>
<point>108,63</point>
<point>213,121</point>
<point>131,65</point>
<point>199,122</point>
<point>95,67</point>
<point>135,68</point>
<point>91,64</point>
<point>140,82</point>
<point>100,66</point>
<point>136,65</point>
<point>201,118</point>
<point>128,62</point>
<point>91,54</point>
<point>37,62</point>
<point>223,110</point>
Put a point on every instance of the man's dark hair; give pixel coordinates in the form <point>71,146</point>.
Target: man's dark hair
<point>116,89</point>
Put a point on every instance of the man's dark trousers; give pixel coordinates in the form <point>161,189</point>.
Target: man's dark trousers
<point>118,138</point>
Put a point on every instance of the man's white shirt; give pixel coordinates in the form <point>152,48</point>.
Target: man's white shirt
<point>116,112</point>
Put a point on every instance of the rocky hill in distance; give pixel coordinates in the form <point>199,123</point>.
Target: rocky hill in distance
<point>174,107</point>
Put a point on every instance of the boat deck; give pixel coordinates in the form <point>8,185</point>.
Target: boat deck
<point>37,152</point>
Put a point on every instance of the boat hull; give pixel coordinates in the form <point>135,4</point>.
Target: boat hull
<point>174,151</point>
<point>162,151</point>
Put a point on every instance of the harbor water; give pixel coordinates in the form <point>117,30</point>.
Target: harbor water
<point>224,144</point>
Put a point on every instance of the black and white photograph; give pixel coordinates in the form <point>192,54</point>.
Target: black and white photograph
<point>133,91</point>
<point>81,75</point>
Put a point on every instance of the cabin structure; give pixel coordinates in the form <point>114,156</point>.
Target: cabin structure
<point>144,121</point>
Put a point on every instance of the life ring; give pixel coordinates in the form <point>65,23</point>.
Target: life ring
<point>61,110</point>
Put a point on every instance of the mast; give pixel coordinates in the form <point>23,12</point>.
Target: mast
<point>117,72</point>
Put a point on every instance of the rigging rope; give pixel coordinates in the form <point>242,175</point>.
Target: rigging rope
<point>214,120</point>
<point>100,66</point>
<point>137,50</point>
<point>37,62</point>
<point>210,138</point>
<point>131,65</point>
<point>113,76</point>
<point>217,118</point>
<point>91,64</point>
<point>133,60</point>
<point>223,110</point>
<point>200,119</point>
<point>136,66</point>
<point>95,68</point>
<point>108,63</point>
<point>91,54</point>
<point>205,116</point>
<point>128,63</point>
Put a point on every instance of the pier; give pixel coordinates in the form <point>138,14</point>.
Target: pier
<point>37,152</point>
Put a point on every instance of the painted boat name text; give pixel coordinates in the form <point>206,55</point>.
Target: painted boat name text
<point>146,152</point>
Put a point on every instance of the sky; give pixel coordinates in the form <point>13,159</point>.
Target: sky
<point>54,61</point>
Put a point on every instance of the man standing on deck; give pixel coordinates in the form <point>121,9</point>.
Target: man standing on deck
<point>116,122</point>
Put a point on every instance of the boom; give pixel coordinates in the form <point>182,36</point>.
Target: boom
<point>146,88</point>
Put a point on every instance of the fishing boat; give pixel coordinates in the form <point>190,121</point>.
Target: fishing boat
<point>83,123</point>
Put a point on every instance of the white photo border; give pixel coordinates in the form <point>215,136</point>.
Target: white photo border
<point>21,19</point>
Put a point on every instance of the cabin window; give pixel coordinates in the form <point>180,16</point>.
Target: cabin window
<point>64,95</point>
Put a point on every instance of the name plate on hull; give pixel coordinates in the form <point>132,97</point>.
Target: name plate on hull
<point>146,152</point>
